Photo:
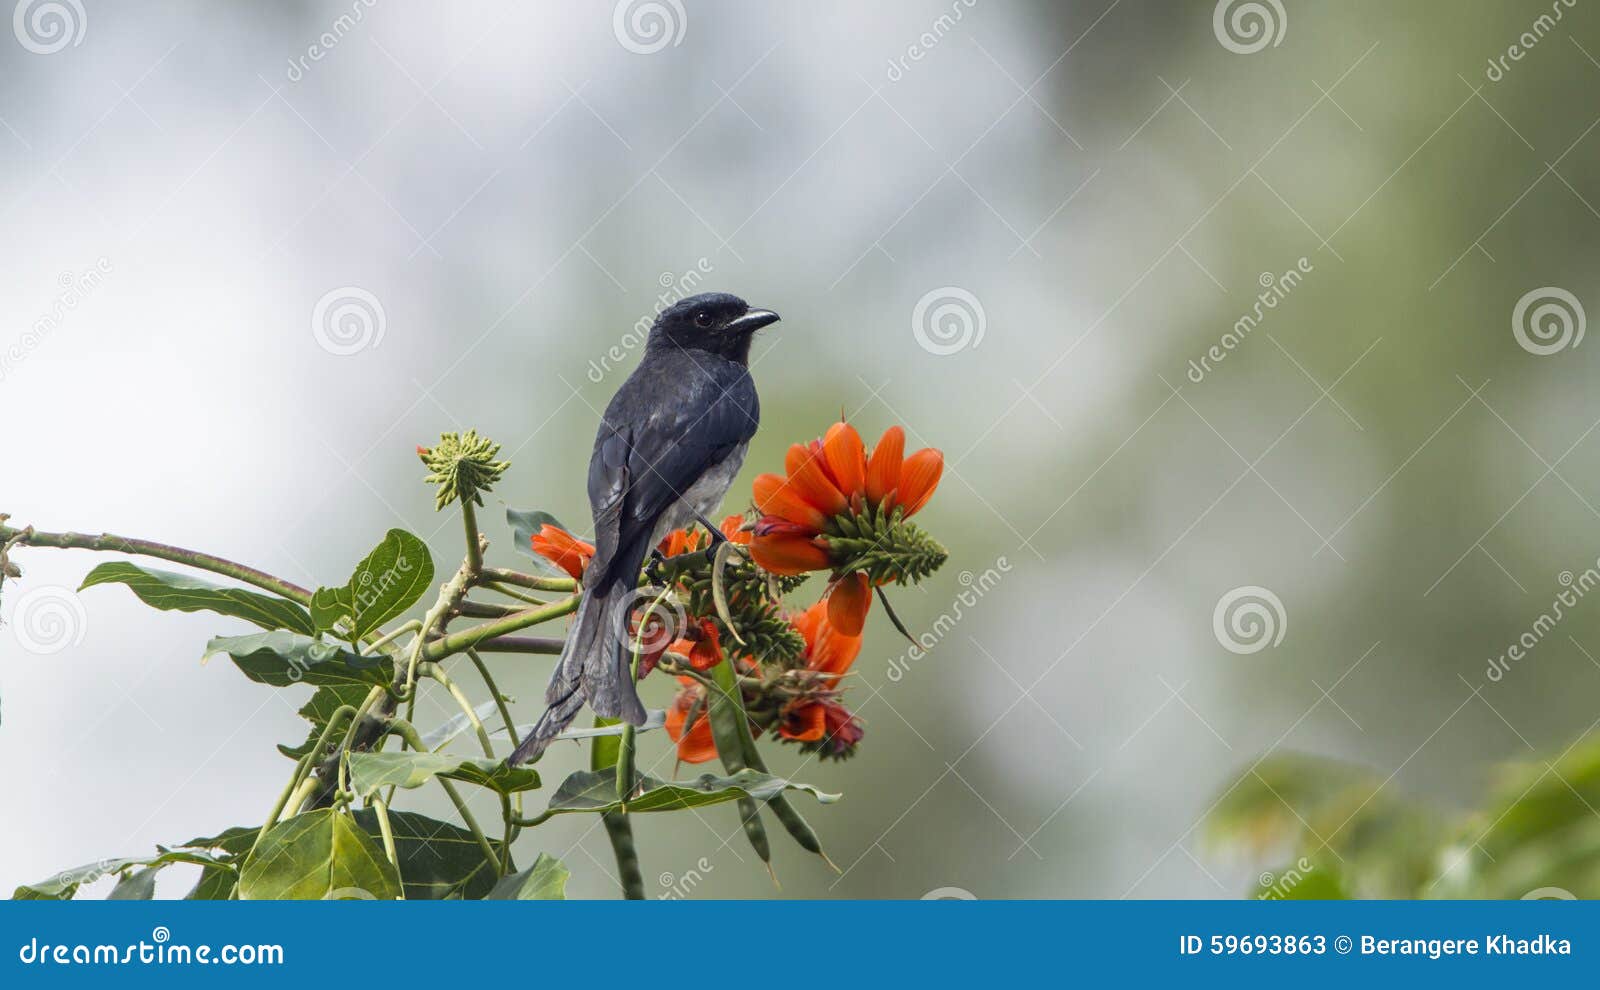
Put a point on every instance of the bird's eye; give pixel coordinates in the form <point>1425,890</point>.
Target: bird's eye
<point>702,319</point>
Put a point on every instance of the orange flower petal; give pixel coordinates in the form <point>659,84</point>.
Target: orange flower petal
<point>919,476</point>
<point>733,528</point>
<point>883,470</point>
<point>562,549</point>
<point>847,458</point>
<point>774,496</point>
<point>804,724</point>
<point>810,479</point>
<point>696,745</point>
<point>787,554</point>
<point>828,650</point>
<point>848,603</point>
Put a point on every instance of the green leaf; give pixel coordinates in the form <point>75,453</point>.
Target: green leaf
<point>181,592</point>
<point>390,580</point>
<point>320,855</point>
<point>438,860</point>
<point>323,703</point>
<point>140,885</point>
<point>545,880</point>
<point>65,884</point>
<point>595,792</point>
<point>215,884</point>
<point>526,523</point>
<point>235,841</point>
<point>455,725</point>
<point>282,658</point>
<point>370,772</point>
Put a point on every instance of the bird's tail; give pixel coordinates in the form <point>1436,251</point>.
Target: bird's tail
<point>594,666</point>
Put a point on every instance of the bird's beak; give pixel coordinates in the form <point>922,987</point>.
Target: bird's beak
<point>754,320</point>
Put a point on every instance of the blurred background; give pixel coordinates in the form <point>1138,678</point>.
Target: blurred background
<point>1251,335</point>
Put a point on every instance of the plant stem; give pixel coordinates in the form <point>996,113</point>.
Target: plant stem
<point>436,672</point>
<point>456,642</point>
<point>300,769</point>
<point>107,542</point>
<point>486,610</point>
<point>522,644</point>
<point>499,699</point>
<point>382,811</point>
<point>469,516</point>
<point>408,732</point>
<point>620,830</point>
<point>521,580</point>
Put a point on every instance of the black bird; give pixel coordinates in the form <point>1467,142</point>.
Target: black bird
<point>668,447</point>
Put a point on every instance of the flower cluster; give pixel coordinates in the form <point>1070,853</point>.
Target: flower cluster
<point>837,508</point>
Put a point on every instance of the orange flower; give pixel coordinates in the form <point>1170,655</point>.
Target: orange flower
<point>695,745</point>
<point>828,477</point>
<point>819,720</point>
<point>681,541</point>
<point>701,644</point>
<point>829,650</point>
<point>562,549</point>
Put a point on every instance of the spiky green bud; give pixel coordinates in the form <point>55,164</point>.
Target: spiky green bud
<point>463,466</point>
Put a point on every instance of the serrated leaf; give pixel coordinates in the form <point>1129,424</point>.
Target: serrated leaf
<point>184,593</point>
<point>545,880</point>
<point>596,792</point>
<point>320,855</point>
<point>438,860</point>
<point>281,658</point>
<point>370,772</point>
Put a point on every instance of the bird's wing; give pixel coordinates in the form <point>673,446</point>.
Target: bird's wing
<point>642,465</point>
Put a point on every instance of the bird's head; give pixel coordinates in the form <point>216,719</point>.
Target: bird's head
<point>713,321</point>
